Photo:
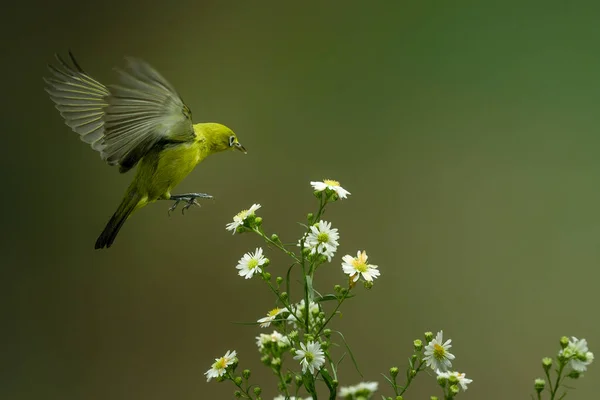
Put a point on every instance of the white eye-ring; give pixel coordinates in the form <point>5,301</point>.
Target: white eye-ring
<point>231,141</point>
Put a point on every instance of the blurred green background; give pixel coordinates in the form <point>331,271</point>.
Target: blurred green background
<point>467,133</point>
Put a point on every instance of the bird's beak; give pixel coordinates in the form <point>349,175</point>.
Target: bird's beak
<point>241,148</point>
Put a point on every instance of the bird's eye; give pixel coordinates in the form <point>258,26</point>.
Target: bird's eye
<point>231,140</point>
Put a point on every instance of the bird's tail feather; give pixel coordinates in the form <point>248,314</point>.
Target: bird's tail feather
<point>127,206</point>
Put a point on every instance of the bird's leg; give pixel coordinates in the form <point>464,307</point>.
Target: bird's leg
<point>189,198</point>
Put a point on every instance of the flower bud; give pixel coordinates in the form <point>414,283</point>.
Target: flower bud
<point>309,338</point>
<point>322,259</point>
<point>368,284</point>
<point>293,335</point>
<point>418,345</point>
<point>246,373</point>
<point>453,380</point>
<point>413,373</point>
<point>237,394</point>
<point>237,380</point>
<point>275,238</point>
<point>283,296</point>
<point>428,337</point>
<point>394,372</point>
<point>433,398</point>
<point>337,288</point>
<point>279,280</point>
<point>574,374</point>
<point>335,383</point>
<point>310,217</point>
<point>298,380</point>
<point>258,221</point>
<point>539,385</point>
<point>453,390</point>
<point>221,378</point>
<point>546,363</point>
<point>327,333</point>
<point>288,378</point>
<point>267,276</point>
<point>564,342</point>
<point>257,390</point>
<point>266,359</point>
<point>266,263</point>
<point>442,380</point>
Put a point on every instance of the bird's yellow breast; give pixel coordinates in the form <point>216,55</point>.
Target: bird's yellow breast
<point>163,169</point>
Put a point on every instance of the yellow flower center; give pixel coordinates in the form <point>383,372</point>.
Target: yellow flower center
<point>253,263</point>
<point>273,312</point>
<point>242,214</point>
<point>359,265</point>
<point>309,357</point>
<point>439,352</point>
<point>323,237</point>
<point>220,364</point>
<point>331,182</point>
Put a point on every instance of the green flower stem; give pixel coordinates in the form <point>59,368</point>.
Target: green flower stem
<point>259,231</point>
<point>283,384</point>
<point>245,393</point>
<point>285,304</point>
<point>410,378</point>
<point>554,391</point>
<point>339,304</point>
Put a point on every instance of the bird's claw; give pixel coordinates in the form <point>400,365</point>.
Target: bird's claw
<point>190,200</point>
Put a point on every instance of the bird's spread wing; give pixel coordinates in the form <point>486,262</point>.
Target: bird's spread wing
<point>143,110</point>
<point>132,116</point>
<point>79,98</point>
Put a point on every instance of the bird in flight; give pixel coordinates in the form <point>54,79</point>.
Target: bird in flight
<point>140,121</point>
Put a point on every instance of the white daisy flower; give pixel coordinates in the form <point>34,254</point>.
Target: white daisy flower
<point>322,239</point>
<point>220,365</point>
<point>266,321</point>
<point>250,263</point>
<point>437,355</point>
<point>275,337</point>
<point>292,398</point>
<point>311,356</point>
<point>355,267</point>
<point>579,355</point>
<point>363,390</point>
<point>239,219</point>
<point>331,185</point>
<point>462,380</point>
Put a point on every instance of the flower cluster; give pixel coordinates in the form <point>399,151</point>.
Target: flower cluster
<point>300,321</point>
<point>573,359</point>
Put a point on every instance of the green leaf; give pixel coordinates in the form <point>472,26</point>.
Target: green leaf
<point>309,287</point>
<point>331,297</point>
<point>351,354</point>
<point>329,382</point>
<point>389,380</point>
<point>287,279</point>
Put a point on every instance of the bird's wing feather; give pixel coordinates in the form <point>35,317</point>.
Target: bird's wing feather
<point>142,110</point>
<point>123,121</point>
<point>79,98</point>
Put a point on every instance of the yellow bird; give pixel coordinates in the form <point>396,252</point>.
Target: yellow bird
<point>140,121</point>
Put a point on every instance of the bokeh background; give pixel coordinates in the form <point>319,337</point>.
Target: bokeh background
<point>467,132</point>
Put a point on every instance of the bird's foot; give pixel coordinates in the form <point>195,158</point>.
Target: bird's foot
<point>189,198</point>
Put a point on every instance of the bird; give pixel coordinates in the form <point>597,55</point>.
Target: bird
<point>142,121</point>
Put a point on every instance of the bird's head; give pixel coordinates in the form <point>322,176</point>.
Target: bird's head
<point>220,137</point>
